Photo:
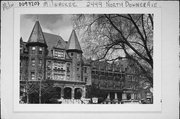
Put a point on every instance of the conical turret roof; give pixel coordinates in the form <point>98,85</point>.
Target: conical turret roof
<point>73,43</point>
<point>21,40</point>
<point>37,35</point>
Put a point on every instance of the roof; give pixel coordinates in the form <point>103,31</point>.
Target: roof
<point>37,34</point>
<point>120,65</point>
<point>23,45</point>
<point>54,41</point>
<point>73,43</point>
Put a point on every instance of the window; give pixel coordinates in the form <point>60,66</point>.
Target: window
<point>77,69</point>
<point>55,77</point>
<point>58,54</point>
<point>68,70</point>
<point>68,77</point>
<point>58,66</point>
<point>61,77</point>
<point>33,62</point>
<point>85,69</point>
<point>40,62</point>
<point>78,77</point>
<point>55,54</point>
<point>61,54</point>
<point>68,67</point>
<point>49,62</point>
<point>58,77</point>
<point>40,50</point>
<point>33,50</point>
<point>32,75</point>
<point>78,57</point>
<point>85,79</point>
<point>48,65</point>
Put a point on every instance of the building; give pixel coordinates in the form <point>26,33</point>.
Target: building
<point>117,81</point>
<point>46,60</point>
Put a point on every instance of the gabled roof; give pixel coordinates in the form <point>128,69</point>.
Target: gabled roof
<point>55,41</point>
<point>37,34</point>
<point>73,43</point>
<point>52,41</point>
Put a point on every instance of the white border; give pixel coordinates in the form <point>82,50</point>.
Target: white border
<point>156,106</point>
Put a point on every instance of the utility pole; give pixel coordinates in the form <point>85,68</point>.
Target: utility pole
<point>40,82</point>
<point>40,91</point>
<point>27,95</point>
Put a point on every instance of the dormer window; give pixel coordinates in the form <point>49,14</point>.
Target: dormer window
<point>58,54</point>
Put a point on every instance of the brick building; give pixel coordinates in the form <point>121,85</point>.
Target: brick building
<point>48,58</point>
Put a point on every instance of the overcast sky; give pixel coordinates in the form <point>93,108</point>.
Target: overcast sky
<point>51,23</point>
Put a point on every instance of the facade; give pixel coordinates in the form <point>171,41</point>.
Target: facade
<point>117,82</point>
<point>47,59</point>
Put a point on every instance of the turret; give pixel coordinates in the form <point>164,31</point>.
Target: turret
<point>75,52</point>
<point>37,50</point>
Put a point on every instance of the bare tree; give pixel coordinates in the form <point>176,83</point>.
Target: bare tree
<point>113,37</point>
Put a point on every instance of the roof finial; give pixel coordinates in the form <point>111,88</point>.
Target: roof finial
<point>37,18</point>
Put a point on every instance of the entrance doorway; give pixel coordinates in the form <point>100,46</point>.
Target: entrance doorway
<point>78,93</point>
<point>67,93</point>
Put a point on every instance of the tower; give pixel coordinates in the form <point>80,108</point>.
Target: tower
<point>37,50</point>
<point>75,52</point>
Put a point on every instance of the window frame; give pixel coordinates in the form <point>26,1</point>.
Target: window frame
<point>40,50</point>
<point>33,62</point>
<point>33,49</point>
<point>33,75</point>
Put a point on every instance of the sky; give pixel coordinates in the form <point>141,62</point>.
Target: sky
<point>58,24</point>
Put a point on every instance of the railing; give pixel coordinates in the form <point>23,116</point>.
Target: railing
<point>122,102</point>
<point>72,101</point>
<point>131,102</point>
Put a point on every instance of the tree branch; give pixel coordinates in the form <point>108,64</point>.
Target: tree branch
<point>126,42</point>
<point>151,19</point>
